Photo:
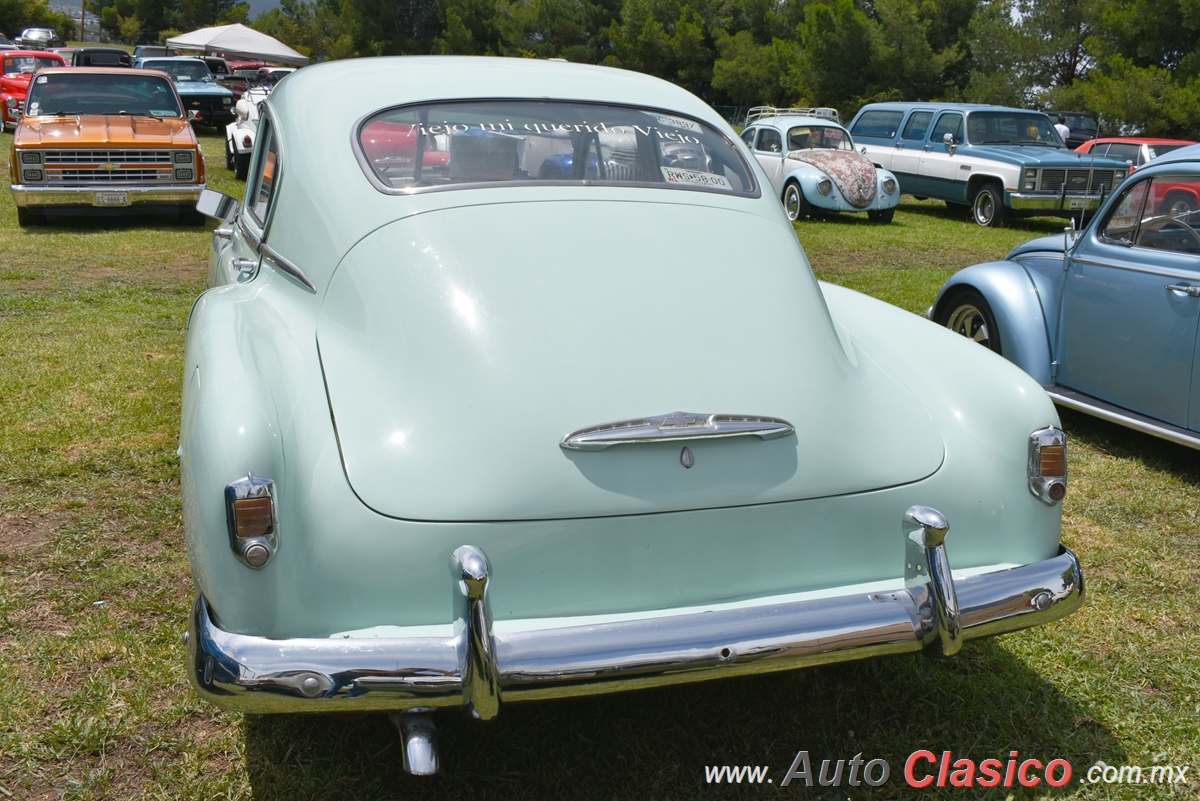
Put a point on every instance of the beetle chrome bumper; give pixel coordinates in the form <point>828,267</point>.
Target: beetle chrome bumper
<point>27,195</point>
<point>476,669</point>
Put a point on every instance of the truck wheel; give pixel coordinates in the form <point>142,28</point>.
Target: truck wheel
<point>967,313</point>
<point>793,201</point>
<point>987,207</point>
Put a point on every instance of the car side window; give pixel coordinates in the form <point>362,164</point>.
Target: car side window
<point>877,123</point>
<point>770,141</point>
<point>917,125</point>
<point>266,175</point>
<point>748,136</point>
<point>1121,226</point>
<point>1170,217</point>
<point>948,123</point>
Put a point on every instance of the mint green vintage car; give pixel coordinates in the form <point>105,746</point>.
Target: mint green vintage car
<point>513,382</point>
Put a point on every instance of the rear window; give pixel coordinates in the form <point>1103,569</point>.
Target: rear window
<point>451,145</point>
<point>877,123</point>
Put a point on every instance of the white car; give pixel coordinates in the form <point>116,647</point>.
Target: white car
<point>239,134</point>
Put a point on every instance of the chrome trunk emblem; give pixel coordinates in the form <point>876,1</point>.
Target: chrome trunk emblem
<point>675,426</point>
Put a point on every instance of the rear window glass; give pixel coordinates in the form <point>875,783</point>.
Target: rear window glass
<point>450,145</point>
<point>877,123</point>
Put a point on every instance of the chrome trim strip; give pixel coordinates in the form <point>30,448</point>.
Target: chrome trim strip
<point>249,235</point>
<point>261,675</point>
<point>674,427</point>
<point>1115,414</point>
<point>27,196</point>
<point>286,266</point>
<point>1159,270</point>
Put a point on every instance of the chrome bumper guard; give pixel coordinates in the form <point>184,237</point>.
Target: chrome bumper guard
<point>27,195</point>
<point>476,669</point>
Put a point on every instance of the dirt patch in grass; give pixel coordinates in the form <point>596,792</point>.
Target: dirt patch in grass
<point>20,534</point>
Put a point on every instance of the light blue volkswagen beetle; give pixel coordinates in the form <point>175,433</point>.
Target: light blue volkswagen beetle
<point>1107,318</point>
<point>811,164</point>
<point>459,431</point>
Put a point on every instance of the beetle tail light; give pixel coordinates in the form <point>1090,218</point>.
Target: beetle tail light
<point>1048,464</point>
<point>251,518</point>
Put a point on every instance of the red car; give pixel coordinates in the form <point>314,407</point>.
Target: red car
<point>19,67</point>
<point>1136,150</point>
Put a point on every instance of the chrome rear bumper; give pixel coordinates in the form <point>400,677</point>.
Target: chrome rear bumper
<point>477,669</point>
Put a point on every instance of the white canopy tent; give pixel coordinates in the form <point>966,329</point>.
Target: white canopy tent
<point>238,40</point>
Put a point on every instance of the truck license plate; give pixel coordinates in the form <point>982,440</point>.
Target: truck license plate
<point>1077,203</point>
<point>112,198</point>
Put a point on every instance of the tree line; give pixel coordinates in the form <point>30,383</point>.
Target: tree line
<point>1134,63</point>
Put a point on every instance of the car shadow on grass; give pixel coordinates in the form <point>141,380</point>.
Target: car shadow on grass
<point>54,224</point>
<point>984,703</point>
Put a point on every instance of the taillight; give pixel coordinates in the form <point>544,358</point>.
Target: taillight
<point>1048,464</point>
<point>250,516</point>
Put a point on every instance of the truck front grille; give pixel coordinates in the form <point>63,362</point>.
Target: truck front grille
<point>107,156</point>
<point>109,167</point>
<point>74,175</point>
<point>1077,181</point>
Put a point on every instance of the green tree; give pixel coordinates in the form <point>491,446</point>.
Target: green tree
<point>750,74</point>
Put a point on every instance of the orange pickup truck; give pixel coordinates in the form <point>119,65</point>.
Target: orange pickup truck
<point>104,141</point>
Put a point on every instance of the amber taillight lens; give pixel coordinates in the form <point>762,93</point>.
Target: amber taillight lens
<point>1048,464</point>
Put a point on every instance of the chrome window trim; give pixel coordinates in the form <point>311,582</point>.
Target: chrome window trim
<point>287,267</point>
<point>365,164</point>
<point>247,205</point>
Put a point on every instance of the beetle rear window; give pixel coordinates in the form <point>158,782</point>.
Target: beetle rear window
<point>450,145</point>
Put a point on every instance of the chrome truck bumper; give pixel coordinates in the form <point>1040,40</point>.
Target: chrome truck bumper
<point>30,196</point>
<point>476,669</point>
<point>1052,204</point>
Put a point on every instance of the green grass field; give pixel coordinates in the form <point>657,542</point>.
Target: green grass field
<point>94,585</point>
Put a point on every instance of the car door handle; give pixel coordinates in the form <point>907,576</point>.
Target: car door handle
<point>1182,289</point>
<point>676,426</point>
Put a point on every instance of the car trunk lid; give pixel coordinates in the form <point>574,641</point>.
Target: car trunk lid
<point>461,346</point>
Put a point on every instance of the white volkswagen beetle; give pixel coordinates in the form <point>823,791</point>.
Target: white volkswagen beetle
<point>486,405</point>
<point>811,163</point>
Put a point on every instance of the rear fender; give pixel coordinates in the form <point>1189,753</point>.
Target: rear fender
<point>1017,307</point>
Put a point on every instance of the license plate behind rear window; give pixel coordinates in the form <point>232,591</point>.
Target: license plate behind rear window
<point>112,198</point>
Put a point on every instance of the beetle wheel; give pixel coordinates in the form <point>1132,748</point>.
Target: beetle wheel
<point>967,313</point>
<point>794,202</point>
<point>987,208</point>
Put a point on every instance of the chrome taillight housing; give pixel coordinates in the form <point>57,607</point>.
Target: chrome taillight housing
<point>1048,464</point>
<point>250,516</point>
